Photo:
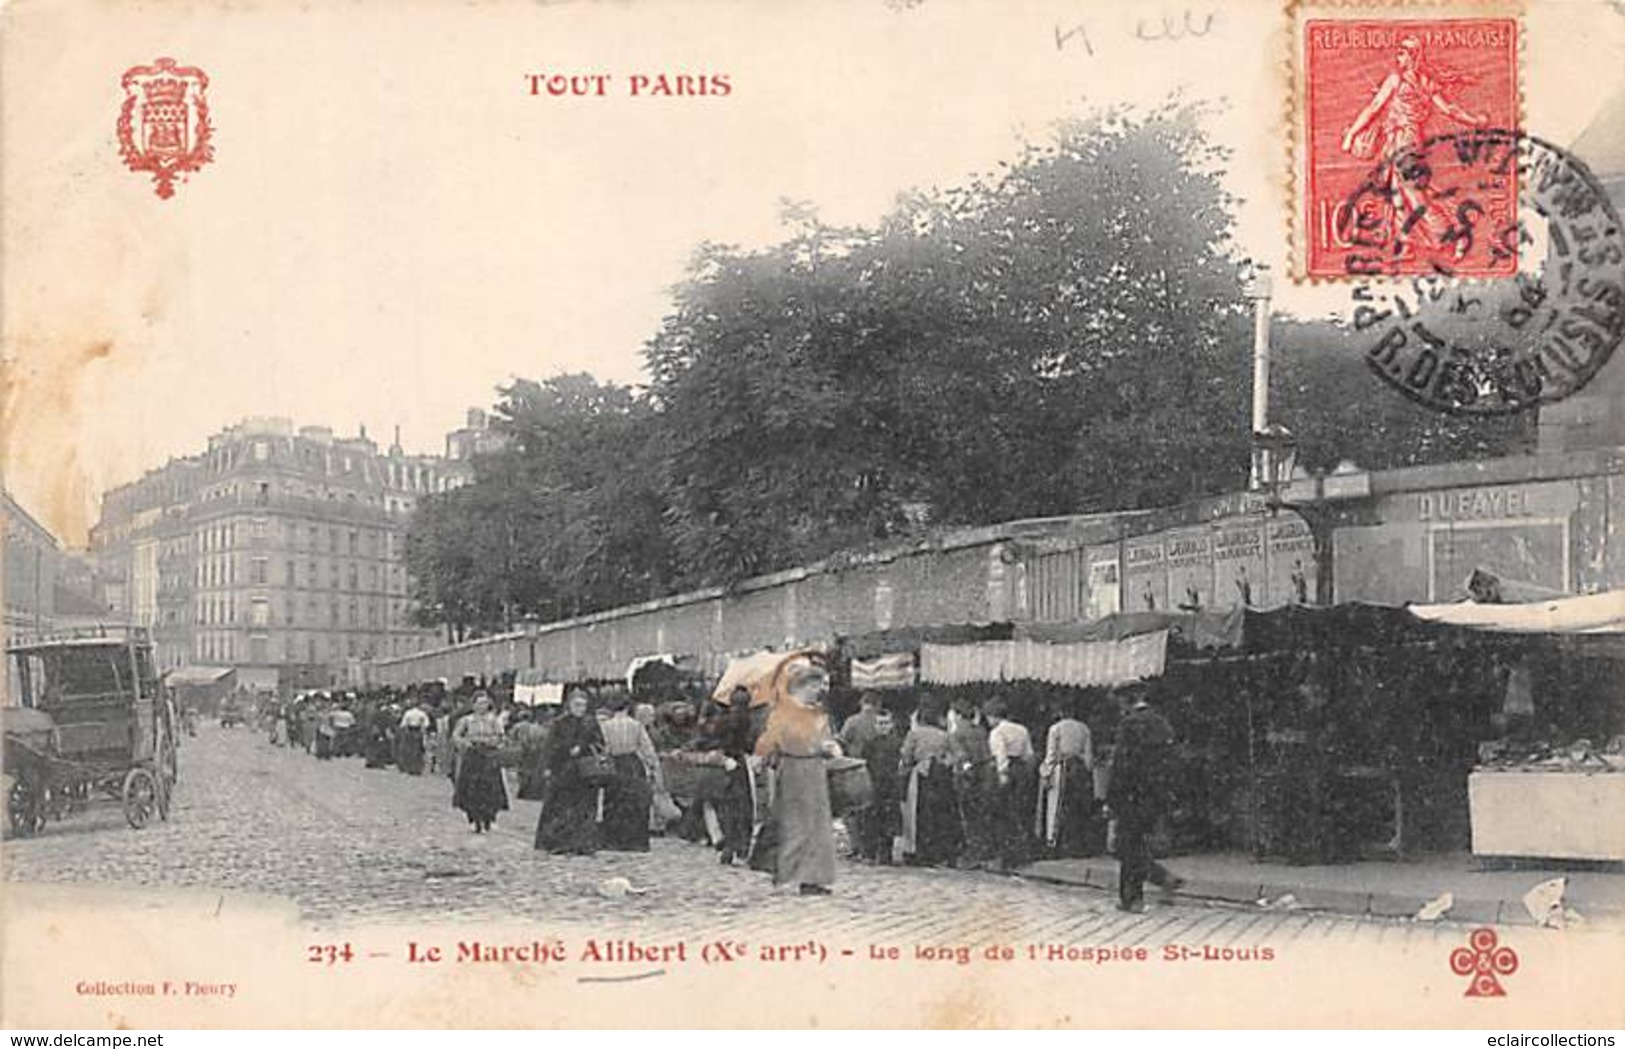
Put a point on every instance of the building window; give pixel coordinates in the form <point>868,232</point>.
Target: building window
<point>259,571</point>
<point>293,573</point>
<point>259,649</point>
<point>354,578</point>
<point>333,613</point>
<point>291,613</point>
<point>315,580</point>
<point>259,612</point>
<point>310,649</point>
<point>262,451</point>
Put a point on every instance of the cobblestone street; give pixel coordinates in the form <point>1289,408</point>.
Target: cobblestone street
<point>354,845</point>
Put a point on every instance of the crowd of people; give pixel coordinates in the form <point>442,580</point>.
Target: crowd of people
<point>961,784</point>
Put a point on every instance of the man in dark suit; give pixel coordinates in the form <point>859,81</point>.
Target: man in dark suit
<point>1138,795</point>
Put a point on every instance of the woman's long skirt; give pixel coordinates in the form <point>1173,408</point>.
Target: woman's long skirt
<point>736,812</point>
<point>411,752</point>
<point>978,792</point>
<point>479,792</point>
<point>1014,805</point>
<point>379,751</point>
<point>1067,809</point>
<point>932,829</point>
<point>569,820</point>
<point>805,851</point>
<point>626,806</point>
<point>532,774</point>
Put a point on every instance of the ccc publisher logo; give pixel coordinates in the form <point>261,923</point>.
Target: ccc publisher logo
<point>1484,961</point>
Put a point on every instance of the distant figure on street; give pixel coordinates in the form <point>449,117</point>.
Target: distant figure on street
<point>794,744</point>
<point>479,793</point>
<point>1067,785</point>
<point>1142,763</point>
<point>976,781</point>
<point>879,823</point>
<point>627,799</point>
<point>859,729</point>
<point>1017,767</point>
<point>569,820</point>
<point>736,809</point>
<point>932,833</point>
<point>414,725</point>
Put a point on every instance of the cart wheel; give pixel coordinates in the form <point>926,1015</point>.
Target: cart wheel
<point>141,793</point>
<point>24,809</point>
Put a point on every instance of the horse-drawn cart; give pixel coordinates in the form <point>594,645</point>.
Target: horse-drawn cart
<point>88,720</point>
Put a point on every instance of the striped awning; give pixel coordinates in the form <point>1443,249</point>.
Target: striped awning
<point>1082,664</point>
<point>898,670</point>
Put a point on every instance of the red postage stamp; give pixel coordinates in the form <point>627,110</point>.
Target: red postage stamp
<point>163,126</point>
<point>1376,94</point>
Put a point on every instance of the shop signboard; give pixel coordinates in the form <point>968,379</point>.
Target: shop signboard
<point>1427,544</point>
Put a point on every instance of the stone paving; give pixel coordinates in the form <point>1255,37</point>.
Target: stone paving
<point>352,845</point>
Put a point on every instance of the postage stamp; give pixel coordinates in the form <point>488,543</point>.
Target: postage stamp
<point>1372,90</point>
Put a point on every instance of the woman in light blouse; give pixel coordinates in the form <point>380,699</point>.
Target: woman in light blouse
<point>479,793</point>
<point>1016,797</point>
<point>627,799</point>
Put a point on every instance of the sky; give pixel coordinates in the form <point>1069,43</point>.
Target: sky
<point>393,224</point>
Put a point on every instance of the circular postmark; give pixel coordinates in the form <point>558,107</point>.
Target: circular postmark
<point>1492,270</point>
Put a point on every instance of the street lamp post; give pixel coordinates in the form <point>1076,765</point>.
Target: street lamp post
<point>533,629</point>
<point>1267,440</point>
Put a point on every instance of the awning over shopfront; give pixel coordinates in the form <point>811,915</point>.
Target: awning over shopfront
<point>1193,629</point>
<point>1080,664</point>
<point>1589,614</point>
<point>196,675</point>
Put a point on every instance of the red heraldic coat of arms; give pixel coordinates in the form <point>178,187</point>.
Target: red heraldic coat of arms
<point>164,124</point>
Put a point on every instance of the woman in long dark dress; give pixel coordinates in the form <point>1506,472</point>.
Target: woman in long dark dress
<point>380,746</point>
<point>628,797</point>
<point>932,832</point>
<point>569,820</point>
<point>736,809</point>
<point>479,793</point>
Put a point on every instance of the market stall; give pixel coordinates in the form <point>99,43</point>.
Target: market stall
<point>1551,784</point>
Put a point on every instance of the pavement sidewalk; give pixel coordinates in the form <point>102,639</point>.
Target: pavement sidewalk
<point>1390,889</point>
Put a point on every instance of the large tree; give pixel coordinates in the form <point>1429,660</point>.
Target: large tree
<point>566,518</point>
<point>1063,336</point>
